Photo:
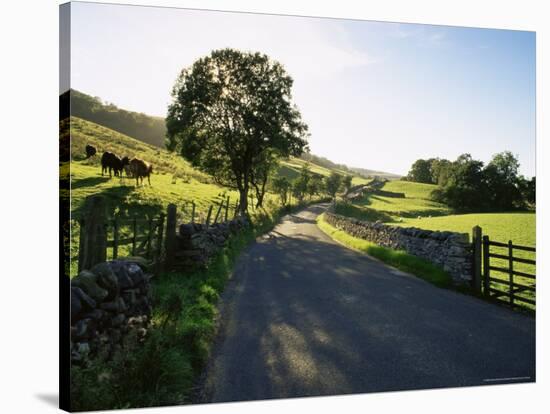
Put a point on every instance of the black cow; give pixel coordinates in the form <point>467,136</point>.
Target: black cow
<point>90,151</point>
<point>112,162</point>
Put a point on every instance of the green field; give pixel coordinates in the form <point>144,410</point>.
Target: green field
<point>416,203</point>
<point>518,227</point>
<point>417,210</point>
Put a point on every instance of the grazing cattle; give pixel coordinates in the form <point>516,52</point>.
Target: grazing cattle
<point>128,170</point>
<point>140,169</point>
<point>90,151</point>
<point>112,162</point>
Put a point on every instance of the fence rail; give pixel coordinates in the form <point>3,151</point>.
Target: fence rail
<point>498,271</point>
<point>101,238</point>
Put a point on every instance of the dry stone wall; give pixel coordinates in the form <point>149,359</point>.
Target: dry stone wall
<point>450,250</point>
<point>107,302</point>
<point>197,243</point>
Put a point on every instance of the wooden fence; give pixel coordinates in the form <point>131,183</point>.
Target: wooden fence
<point>101,238</point>
<point>143,235</point>
<point>504,271</point>
<point>221,209</point>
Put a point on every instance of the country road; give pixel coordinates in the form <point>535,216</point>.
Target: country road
<point>305,316</point>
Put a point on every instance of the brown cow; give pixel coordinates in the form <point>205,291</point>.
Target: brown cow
<point>140,169</point>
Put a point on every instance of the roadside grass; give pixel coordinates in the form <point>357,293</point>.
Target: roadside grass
<point>164,369</point>
<point>396,258</point>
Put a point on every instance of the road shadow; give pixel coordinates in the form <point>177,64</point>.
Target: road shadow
<point>293,218</point>
<point>307,317</point>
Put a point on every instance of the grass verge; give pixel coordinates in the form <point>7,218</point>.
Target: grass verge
<point>396,258</point>
<point>164,368</point>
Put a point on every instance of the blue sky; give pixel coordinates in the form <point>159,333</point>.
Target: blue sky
<point>375,95</point>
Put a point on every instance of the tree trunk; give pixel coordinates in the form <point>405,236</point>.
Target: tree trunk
<point>243,200</point>
<point>260,193</point>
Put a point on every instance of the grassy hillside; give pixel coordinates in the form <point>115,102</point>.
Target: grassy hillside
<point>291,167</point>
<point>152,130</point>
<point>416,203</point>
<point>146,128</point>
<point>174,180</point>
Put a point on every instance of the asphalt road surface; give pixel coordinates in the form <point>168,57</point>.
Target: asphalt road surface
<point>305,316</point>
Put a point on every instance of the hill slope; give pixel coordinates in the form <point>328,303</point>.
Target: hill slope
<point>173,179</point>
<point>152,130</point>
<point>417,202</point>
<point>146,128</point>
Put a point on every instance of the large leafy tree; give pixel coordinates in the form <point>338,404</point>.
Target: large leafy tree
<point>333,183</point>
<point>231,115</point>
<point>502,178</point>
<point>282,186</point>
<point>465,188</point>
<point>301,183</point>
<point>346,182</point>
<point>420,172</point>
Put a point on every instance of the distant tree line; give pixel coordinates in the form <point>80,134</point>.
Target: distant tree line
<point>146,128</point>
<point>467,184</point>
<point>309,185</point>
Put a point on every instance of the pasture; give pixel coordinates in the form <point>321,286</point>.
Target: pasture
<point>520,227</point>
<point>417,210</point>
<point>416,203</point>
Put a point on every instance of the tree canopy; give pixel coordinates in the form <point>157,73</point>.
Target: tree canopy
<point>467,184</point>
<point>333,183</point>
<point>232,115</point>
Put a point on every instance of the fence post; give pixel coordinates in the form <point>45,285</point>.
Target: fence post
<point>134,235</point>
<point>486,267</point>
<point>149,237</point>
<point>236,209</point>
<point>511,271</point>
<point>193,212</point>
<point>159,242</point>
<point>115,237</point>
<point>93,240</point>
<point>476,240</point>
<point>218,212</point>
<point>208,216</point>
<point>170,238</point>
<point>227,209</point>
